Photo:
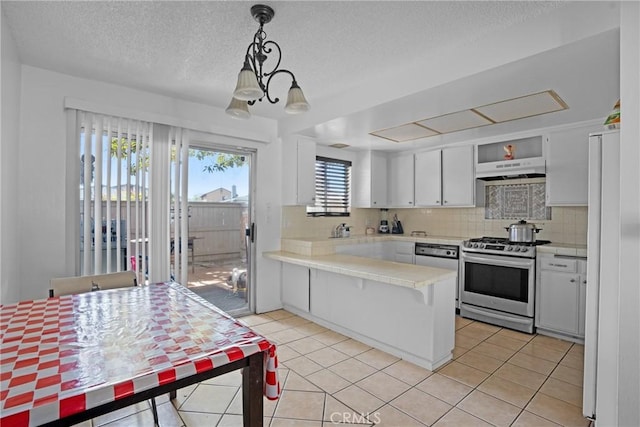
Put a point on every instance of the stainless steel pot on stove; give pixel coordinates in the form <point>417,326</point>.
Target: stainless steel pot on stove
<point>522,231</point>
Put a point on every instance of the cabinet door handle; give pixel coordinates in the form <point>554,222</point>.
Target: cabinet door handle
<point>573,280</point>
<point>446,202</point>
<point>437,201</point>
<point>584,282</point>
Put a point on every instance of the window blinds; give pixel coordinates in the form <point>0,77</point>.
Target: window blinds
<point>114,188</point>
<point>332,187</point>
<point>179,227</point>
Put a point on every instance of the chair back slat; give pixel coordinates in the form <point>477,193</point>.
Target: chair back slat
<point>80,284</point>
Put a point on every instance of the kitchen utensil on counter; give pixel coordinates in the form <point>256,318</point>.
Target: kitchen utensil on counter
<point>522,231</point>
<point>370,230</point>
<point>418,233</point>
<point>397,226</point>
<point>384,226</point>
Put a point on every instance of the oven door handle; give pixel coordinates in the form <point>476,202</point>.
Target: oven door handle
<point>499,261</point>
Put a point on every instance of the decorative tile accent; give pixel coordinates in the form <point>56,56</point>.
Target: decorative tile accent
<point>516,201</point>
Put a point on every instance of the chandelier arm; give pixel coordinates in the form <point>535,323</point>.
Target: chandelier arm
<point>273,73</point>
<point>269,50</point>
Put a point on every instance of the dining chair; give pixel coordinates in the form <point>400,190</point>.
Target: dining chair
<point>80,284</point>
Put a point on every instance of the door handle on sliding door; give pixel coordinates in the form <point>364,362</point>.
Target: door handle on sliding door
<point>251,232</point>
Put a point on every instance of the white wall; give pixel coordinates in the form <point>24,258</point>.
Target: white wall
<point>41,172</point>
<point>9,237</point>
<point>626,342</point>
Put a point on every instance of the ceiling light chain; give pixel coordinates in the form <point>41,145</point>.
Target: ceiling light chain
<point>251,84</point>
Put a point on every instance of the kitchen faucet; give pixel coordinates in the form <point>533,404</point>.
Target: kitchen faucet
<point>339,230</point>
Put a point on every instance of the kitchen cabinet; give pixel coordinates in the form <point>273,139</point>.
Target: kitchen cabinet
<point>445,177</point>
<point>320,299</point>
<point>367,250</point>
<point>295,286</point>
<point>298,183</point>
<point>401,181</point>
<point>428,178</point>
<point>404,252</point>
<point>370,180</point>
<point>567,161</point>
<point>561,296</point>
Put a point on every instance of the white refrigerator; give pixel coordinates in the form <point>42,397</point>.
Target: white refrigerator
<point>603,245</point>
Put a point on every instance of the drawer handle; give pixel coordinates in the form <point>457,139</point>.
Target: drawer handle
<point>558,265</point>
<point>573,280</point>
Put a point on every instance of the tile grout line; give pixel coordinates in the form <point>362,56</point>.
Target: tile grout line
<point>377,370</point>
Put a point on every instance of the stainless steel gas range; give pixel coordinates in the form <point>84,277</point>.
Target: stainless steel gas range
<point>497,281</point>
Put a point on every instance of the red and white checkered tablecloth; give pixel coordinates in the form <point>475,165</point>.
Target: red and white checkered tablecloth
<point>61,356</point>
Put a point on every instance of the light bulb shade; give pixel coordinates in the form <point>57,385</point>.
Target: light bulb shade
<point>296,102</point>
<point>238,109</point>
<point>247,88</point>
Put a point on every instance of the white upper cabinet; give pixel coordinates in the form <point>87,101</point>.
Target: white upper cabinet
<point>298,172</point>
<point>567,158</point>
<point>370,180</point>
<point>401,181</point>
<point>445,177</point>
<point>458,177</point>
<point>428,178</point>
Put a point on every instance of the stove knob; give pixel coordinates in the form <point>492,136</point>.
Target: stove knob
<point>509,248</point>
<point>448,252</point>
<point>517,249</point>
<point>482,245</point>
<point>475,245</point>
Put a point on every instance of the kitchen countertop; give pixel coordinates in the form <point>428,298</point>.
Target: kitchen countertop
<point>326,245</point>
<point>565,249</point>
<point>395,273</point>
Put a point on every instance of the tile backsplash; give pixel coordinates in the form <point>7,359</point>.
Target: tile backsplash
<point>516,201</point>
<point>568,224</point>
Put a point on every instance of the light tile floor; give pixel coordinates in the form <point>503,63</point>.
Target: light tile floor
<point>498,377</point>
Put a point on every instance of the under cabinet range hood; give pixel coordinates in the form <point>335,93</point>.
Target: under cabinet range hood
<point>531,167</point>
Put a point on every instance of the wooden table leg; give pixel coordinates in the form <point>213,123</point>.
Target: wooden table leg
<point>252,391</point>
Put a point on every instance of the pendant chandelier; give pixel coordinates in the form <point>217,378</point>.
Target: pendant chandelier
<point>253,80</point>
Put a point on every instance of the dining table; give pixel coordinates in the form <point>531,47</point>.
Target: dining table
<point>71,358</point>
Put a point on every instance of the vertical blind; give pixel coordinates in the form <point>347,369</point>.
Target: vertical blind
<point>179,222</point>
<point>332,187</point>
<point>113,193</point>
<point>131,186</point>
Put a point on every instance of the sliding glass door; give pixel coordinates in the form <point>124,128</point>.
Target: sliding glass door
<point>220,226</point>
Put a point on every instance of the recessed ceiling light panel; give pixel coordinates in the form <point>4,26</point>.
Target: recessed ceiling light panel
<point>454,122</point>
<point>524,106</point>
<point>404,133</point>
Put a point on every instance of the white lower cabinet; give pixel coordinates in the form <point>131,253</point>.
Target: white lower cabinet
<point>561,296</point>
<point>295,286</point>
<point>404,252</point>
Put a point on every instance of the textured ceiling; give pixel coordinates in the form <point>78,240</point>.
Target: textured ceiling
<point>194,50</point>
